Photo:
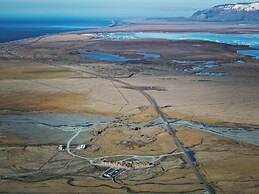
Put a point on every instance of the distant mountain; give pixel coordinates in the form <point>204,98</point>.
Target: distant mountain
<point>240,13</point>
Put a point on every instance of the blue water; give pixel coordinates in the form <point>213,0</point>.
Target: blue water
<point>149,55</point>
<point>192,155</point>
<point>106,57</point>
<point>251,40</point>
<point>116,58</point>
<point>253,53</point>
<point>235,39</point>
<point>15,28</point>
<point>216,74</point>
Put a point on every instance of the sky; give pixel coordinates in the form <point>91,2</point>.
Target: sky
<point>107,8</point>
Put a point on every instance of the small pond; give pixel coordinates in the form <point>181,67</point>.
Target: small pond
<point>253,53</point>
<point>117,58</point>
<point>215,74</point>
<point>149,55</point>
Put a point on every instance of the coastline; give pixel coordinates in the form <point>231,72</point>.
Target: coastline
<point>51,76</point>
<point>152,26</point>
<point>62,32</point>
<point>144,25</point>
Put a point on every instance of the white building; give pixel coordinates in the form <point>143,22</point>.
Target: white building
<point>62,148</point>
<point>81,147</point>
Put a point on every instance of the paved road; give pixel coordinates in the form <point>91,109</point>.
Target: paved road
<point>170,129</point>
<point>72,154</point>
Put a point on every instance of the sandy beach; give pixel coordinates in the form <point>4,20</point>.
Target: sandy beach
<point>167,25</point>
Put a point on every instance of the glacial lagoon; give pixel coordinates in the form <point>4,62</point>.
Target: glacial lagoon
<point>118,58</point>
<point>251,40</point>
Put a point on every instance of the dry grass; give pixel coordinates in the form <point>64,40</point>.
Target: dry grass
<point>12,141</point>
<point>42,102</point>
<point>122,140</point>
<point>232,168</point>
<point>147,114</point>
<point>231,165</point>
<point>190,137</point>
<point>34,72</point>
<point>205,119</point>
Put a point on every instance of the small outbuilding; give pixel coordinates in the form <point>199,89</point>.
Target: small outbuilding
<point>62,148</point>
<point>81,147</point>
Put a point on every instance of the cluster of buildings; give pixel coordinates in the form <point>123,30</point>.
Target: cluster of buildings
<point>62,148</point>
<point>127,164</point>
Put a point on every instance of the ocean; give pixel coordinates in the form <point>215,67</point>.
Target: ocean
<point>19,28</point>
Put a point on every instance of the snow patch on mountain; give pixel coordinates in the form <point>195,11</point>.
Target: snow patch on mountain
<point>243,7</point>
<point>239,13</point>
